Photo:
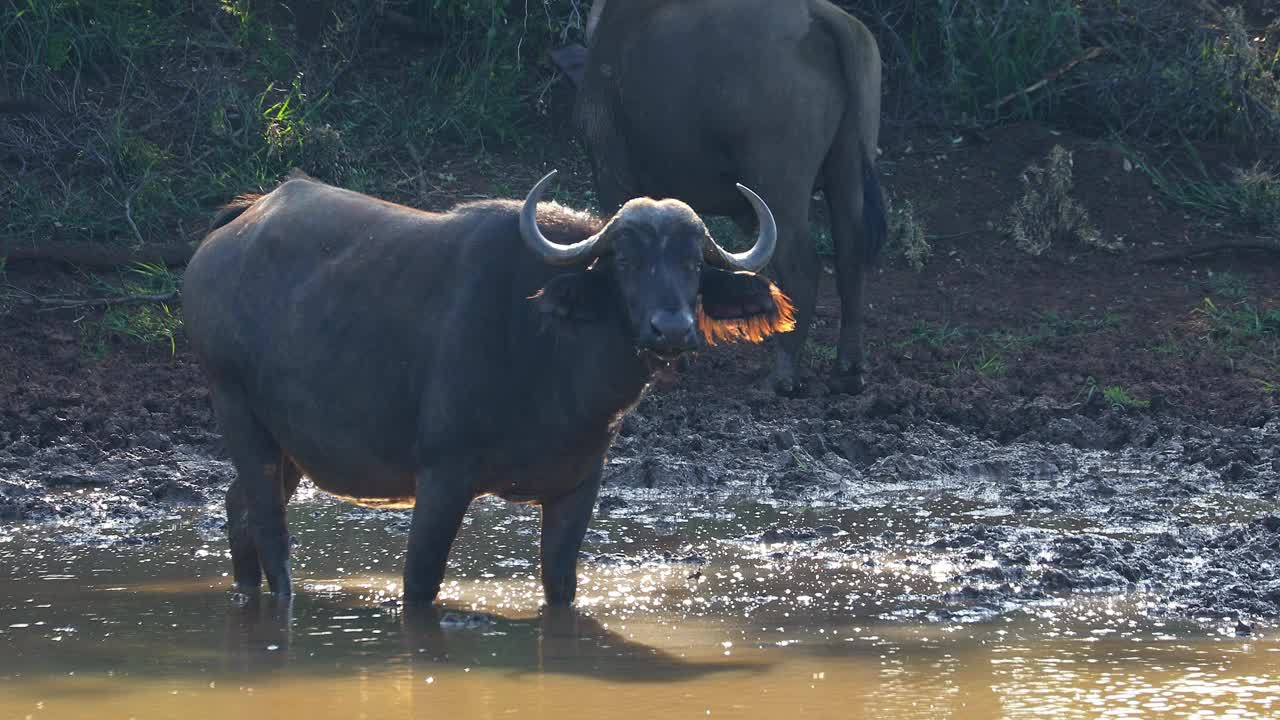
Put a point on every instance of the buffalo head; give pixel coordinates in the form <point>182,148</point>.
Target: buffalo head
<point>671,280</point>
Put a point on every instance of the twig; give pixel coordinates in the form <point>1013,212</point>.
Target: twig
<point>417,159</point>
<point>953,236</point>
<point>52,303</point>
<point>128,212</point>
<point>94,254</point>
<point>1204,250</point>
<point>1089,54</point>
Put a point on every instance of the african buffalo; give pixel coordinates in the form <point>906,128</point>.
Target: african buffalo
<point>405,358</point>
<point>683,99</point>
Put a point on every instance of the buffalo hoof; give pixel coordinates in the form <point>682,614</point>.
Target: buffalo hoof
<point>789,386</point>
<point>845,384</point>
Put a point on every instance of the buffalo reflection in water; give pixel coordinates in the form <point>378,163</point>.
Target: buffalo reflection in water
<point>259,634</point>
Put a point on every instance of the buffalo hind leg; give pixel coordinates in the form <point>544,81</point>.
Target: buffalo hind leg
<point>245,565</point>
<point>845,210</point>
<point>441,501</point>
<point>265,478</point>
<point>799,271</point>
<point>564,523</point>
<point>856,208</point>
<point>244,553</point>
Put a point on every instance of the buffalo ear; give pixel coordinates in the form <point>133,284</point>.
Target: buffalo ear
<point>580,296</point>
<point>572,61</point>
<point>742,306</point>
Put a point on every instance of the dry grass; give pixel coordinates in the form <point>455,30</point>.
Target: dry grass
<point>907,232</point>
<point>1047,213</point>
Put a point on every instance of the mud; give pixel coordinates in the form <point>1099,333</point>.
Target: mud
<point>1016,505</point>
<point>1176,512</point>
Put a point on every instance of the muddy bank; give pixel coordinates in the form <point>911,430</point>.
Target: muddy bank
<point>1012,505</point>
<point>1024,504</point>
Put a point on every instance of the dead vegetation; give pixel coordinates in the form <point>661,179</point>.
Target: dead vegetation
<point>1047,213</point>
<point>907,236</point>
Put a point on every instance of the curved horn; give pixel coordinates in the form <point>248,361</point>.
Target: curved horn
<point>755,259</point>
<point>550,252</point>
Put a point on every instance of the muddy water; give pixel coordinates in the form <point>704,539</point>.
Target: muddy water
<point>747,610</point>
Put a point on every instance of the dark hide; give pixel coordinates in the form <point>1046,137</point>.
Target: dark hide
<point>404,358</point>
<point>783,97</point>
<point>571,59</point>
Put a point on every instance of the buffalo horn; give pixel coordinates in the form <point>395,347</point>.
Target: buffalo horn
<point>550,252</point>
<point>755,259</point>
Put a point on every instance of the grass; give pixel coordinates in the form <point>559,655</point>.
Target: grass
<point>933,334</point>
<point>1053,325</point>
<point>990,49</point>
<point>1239,325</point>
<point>1114,395</point>
<point>988,349</point>
<point>1248,200</point>
<point>1169,346</point>
<point>1117,395</point>
<point>1170,70</point>
<point>150,323</point>
<point>989,363</point>
<point>820,352</point>
<point>160,112</point>
<point>1229,285</point>
<point>1232,323</point>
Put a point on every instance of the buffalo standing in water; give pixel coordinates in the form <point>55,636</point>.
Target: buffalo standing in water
<point>406,358</point>
<point>683,99</point>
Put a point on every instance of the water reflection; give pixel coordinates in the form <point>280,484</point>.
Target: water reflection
<point>711,613</point>
<point>258,632</point>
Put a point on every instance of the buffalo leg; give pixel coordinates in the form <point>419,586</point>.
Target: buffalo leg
<point>564,523</point>
<point>796,264</point>
<point>244,553</point>
<point>256,525</point>
<point>845,203</point>
<point>440,503</point>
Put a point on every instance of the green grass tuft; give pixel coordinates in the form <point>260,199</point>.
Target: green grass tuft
<point>149,323</point>
<point>1117,395</point>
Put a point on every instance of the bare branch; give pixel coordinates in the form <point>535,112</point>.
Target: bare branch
<point>1089,54</point>
<point>100,255</point>
<point>1271,248</point>
<point>59,303</point>
<point>128,210</point>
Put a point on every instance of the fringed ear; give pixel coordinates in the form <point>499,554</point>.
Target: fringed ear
<point>577,296</point>
<point>742,306</point>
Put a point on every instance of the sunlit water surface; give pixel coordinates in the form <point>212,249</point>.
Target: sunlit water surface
<point>681,613</point>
